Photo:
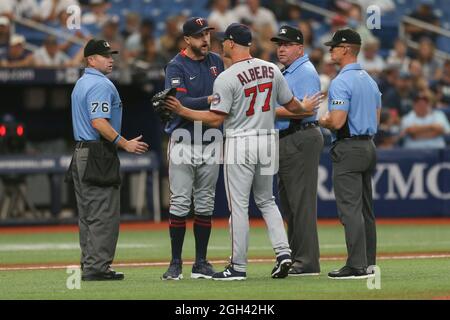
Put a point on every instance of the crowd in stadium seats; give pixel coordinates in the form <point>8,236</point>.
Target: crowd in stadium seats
<point>415,83</point>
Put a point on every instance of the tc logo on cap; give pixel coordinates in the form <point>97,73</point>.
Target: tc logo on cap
<point>106,44</point>
<point>283,31</point>
<point>200,22</point>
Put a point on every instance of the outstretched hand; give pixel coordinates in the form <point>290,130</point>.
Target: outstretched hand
<point>136,146</point>
<point>312,103</point>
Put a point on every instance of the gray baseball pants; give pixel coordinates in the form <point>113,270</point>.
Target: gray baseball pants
<point>99,218</point>
<point>297,186</point>
<point>353,164</point>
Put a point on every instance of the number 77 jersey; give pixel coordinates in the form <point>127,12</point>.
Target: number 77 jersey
<point>248,92</point>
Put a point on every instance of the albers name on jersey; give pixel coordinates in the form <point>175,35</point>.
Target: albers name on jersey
<point>260,72</point>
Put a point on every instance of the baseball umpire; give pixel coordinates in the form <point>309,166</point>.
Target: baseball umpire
<point>192,72</point>
<point>94,170</point>
<point>244,99</point>
<point>354,112</point>
<point>301,143</point>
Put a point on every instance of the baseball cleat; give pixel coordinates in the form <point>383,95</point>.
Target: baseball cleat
<point>174,271</point>
<point>202,270</point>
<point>229,274</point>
<point>282,266</point>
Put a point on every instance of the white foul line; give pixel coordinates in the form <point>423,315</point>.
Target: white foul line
<point>266,260</point>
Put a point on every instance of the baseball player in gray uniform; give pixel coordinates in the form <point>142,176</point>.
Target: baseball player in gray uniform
<point>244,98</point>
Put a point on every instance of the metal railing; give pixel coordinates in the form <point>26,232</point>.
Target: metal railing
<point>48,30</point>
<point>402,34</point>
<point>426,26</point>
<point>318,10</point>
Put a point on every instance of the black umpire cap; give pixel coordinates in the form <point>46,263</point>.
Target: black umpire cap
<point>288,34</point>
<point>344,36</point>
<point>195,25</point>
<point>238,33</point>
<point>100,47</point>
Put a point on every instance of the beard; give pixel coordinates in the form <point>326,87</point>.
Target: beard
<point>200,51</point>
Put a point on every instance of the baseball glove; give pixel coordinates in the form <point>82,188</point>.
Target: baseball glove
<point>159,105</point>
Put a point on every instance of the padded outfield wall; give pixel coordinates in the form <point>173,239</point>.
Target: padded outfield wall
<point>406,183</point>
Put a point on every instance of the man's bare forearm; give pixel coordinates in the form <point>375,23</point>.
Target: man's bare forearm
<point>105,129</point>
<point>204,116</point>
<point>282,112</point>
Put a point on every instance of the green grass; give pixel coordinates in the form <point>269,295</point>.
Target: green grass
<point>427,279</point>
<point>400,279</point>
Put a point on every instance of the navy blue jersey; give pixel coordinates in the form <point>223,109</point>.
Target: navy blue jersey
<point>194,81</point>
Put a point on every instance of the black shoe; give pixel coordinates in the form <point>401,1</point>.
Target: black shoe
<point>174,271</point>
<point>202,269</point>
<point>347,272</point>
<point>297,271</point>
<point>282,266</point>
<point>108,275</point>
<point>229,274</point>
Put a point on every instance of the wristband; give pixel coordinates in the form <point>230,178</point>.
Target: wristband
<point>117,139</point>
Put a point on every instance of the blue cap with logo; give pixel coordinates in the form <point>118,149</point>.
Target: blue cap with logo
<point>195,25</point>
<point>238,33</point>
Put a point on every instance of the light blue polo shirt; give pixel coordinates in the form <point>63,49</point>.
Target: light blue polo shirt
<point>355,92</point>
<point>94,96</point>
<point>302,79</point>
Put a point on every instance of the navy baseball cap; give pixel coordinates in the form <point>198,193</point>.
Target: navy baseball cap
<point>237,32</point>
<point>100,47</point>
<point>195,25</point>
<point>288,34</point>
<point>344,36</point>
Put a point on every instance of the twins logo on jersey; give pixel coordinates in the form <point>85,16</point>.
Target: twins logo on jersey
<point>214,71</point>
<point>215,99</point>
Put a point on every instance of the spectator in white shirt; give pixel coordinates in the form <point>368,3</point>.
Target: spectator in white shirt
<point>370,60</point>
<point>49,55</point>
<point>20,8</point>
<point>50,9</point>
<point>425,55</point>
<point>221,16</point>
<point>424,127</point>
<point>96,16</point>
<point>257,15</point>
<point>398,55</point>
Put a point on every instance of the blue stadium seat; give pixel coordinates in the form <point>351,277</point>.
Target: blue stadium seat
<point>387,36</point>
<point>443,43</point>
<point>31,35</point>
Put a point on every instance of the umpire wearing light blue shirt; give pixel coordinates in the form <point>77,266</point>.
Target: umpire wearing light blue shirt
<point>354,113</point>
<point>301,144</point>
<point>96,118</point>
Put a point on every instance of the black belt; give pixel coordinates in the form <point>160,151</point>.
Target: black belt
<point>85,144</point>
<point>298,127</point>
<point>359,137</point>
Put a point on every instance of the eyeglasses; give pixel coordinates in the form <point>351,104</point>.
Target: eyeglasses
<point>287,44</point>
<point>331,48</point>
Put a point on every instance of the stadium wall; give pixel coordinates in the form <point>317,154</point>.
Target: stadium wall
<point>406,183</point>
